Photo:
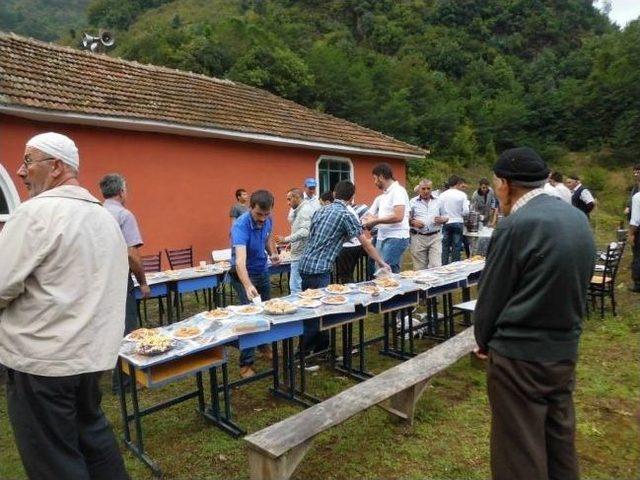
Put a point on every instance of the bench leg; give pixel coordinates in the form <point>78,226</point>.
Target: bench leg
<point>263,467</point>
<point>403,403</point>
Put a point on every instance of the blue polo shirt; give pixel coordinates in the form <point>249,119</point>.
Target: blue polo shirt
<point>246,232</point>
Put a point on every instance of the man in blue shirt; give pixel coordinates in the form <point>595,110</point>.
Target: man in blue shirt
<point>331,226</point>
<point>250,239</point>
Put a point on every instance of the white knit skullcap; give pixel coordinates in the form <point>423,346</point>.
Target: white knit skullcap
<point>58,146</point>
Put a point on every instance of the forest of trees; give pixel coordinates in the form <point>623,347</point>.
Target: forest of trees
<point>463,78</point>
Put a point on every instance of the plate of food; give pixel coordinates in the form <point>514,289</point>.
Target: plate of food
<point>387,283</point>
<point>307,303</point>
<point>224,265</point>
<point>312,293</point>
<point>370,289</point>
<point>279,307</point>
<point>186,333</point>
<point>155,275</point>
<point>248,310</point>
<point>337,288</point>
<point>154,345</point>
<point>334,300</point>
<point>409,274</point>
<point>217,314</point>
<point>172,273</point>
<point>140,334</point>
<point>425,279</point>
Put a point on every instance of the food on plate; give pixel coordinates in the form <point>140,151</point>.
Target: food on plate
<point>409,274</point>
<point>337,288</point>
<point>154,345</point>
<point>141,334</point>
<point>285,255</point>
<point>249,310</point>
<point>172,273</point>
<point>187,332</point>
<point>425,279</point>
<point>307,303</point>
<point>475,258</point>
<point>387,282</point>
<point>279,307</point>
<point>217,314</point>
<point>334,299</point>
<point>370,289</point>
<point>313,293</point>
<point>223,265</point>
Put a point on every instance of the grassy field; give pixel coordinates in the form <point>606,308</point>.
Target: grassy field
<point>450,437</point>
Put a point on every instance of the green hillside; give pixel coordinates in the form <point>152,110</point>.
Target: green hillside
<point>43,19</point>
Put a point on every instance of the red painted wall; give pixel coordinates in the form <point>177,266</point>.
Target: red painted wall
<point>181,188</point>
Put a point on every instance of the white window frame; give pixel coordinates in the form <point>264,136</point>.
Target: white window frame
<point>10,193</point>
<point>335,158</point>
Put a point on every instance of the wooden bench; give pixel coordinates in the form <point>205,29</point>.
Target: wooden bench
<point>275,451</point>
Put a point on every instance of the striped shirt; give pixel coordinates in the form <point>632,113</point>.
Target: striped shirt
<point>331,226</point>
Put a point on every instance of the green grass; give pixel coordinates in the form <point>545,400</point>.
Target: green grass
<point>450,437</point>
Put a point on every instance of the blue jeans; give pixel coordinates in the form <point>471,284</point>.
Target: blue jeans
<point>391,250</point>
<point>295,281</point>
<point>451,242</point>
<point>314,339</point>
<point>263,285</point>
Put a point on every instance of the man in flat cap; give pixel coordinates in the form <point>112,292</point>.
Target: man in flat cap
<point>62,308</point>
<point>528,322</point>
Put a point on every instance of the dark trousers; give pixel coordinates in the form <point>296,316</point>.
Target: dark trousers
<point>315,340</point>
<point>130,324</point>
<point>532,419</point>
<point>635,263</point>
<point>262,282</point>
<point>346,263</point>
<point>60,430</point>
<point>451,242</point>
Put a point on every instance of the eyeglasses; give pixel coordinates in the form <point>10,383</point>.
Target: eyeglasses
<point>28,161</point>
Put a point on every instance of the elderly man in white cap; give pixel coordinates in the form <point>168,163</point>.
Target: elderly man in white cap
<point>62,305</point>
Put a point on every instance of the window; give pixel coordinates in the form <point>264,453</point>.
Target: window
<point>9,199</point>
<point>332,170</point>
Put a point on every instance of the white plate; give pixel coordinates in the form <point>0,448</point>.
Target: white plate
<point>318,294</point>
<point>343,292</point>
<point>312,303</point>
<point>324,300</point>
<point>155,275</point>
<point>236,309</point>
<point>209,317</point>
<point>201,331</point>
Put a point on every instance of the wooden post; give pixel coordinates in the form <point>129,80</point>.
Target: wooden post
<point>264,467</point>
<point>405,401</point>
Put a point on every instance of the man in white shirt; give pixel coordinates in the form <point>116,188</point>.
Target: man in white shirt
<point>634,238</point>
<point>426,223</point>
<point>62,307</point>
<point>561,191</point>
<point>454,204</point>
<point>392,218</point>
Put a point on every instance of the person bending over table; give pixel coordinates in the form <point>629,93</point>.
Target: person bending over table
<point>251,237</point>
<point>331,226</point>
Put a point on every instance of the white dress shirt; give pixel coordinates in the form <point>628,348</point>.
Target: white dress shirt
<point>454,204</point>
<point>635,210</point>
<point>425,211</point>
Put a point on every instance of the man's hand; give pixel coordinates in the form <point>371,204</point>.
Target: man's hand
<point>251,291</point>
<point>279,239</point>
<point>384,266</point>
<point>370,223</point>
<point>440,220</point>
<point>145,291</point>
<point>481,355</point>
<point>416,223</point>
<point>275,258</point>
<point>627,210</point>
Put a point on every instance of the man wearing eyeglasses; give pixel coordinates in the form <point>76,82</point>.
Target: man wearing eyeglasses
<point>62,307</point>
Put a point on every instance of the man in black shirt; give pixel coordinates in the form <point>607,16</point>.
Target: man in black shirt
<point>528,321</point>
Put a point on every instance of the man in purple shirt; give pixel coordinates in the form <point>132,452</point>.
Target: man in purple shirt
<point>114,190</point>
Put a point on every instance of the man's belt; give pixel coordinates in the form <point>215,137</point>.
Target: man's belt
<point>428,234</point>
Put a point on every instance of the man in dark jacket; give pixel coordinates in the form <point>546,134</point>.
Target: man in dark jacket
<point>528,322</point>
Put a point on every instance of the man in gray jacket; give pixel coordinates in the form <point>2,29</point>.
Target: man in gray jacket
<point>62,305</point>
<point>303,209</point>
<point>528,322</point>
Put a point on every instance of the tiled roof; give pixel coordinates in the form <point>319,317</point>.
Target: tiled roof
<point>52,78</point>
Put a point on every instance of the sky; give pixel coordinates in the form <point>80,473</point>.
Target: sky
<point>623,11</point>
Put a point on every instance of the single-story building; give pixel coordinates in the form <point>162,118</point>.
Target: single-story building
<point>184,141</point>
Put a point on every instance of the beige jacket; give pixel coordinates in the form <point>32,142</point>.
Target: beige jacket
<point>63,282</point>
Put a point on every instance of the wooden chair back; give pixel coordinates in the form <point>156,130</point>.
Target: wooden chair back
<point>180,258</point>
<point>152,263</point>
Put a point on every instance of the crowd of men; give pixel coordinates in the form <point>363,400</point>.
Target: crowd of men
<point>66,293</point>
